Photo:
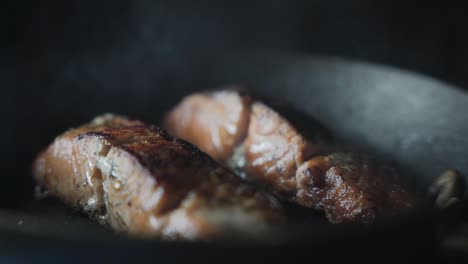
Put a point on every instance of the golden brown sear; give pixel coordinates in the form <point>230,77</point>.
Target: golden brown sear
<point>293,164</point>
<point>351,187</point>
<point>138,180</point>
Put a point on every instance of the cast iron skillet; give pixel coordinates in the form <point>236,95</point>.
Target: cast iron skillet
<point>416,123</point>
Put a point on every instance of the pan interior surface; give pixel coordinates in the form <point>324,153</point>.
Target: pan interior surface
<point>405,119</point>
<point>411,121</point>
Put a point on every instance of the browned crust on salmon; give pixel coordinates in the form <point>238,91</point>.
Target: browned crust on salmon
<point>138,180</point>
<point>289,162</point>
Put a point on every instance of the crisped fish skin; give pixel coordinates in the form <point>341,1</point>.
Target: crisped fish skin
<point>139,180</point>
<point>290,163</point>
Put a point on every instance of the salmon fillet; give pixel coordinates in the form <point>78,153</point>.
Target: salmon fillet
<point>138,180</point>
<point>216,122</point>
<point>287,153</point>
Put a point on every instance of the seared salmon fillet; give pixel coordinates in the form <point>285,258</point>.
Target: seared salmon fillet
<point>287,155</point>
<point>138,180</point>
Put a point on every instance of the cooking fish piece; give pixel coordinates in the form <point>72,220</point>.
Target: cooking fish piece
<point>216,122</point>
<point>351,187</point>
<point>138,180</point>
<point>291,155</point>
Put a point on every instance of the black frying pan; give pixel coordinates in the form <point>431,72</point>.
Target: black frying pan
<point>414,122</point>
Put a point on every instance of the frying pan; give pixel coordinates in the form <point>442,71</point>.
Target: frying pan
<point>413,122</point>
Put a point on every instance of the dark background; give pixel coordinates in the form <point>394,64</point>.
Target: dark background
<point>51,50</point>
<point>425,36</point>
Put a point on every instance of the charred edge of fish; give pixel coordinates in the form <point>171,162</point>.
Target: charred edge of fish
<point>198,154</point>
<point>101,134</point>
<point>317,175</point>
